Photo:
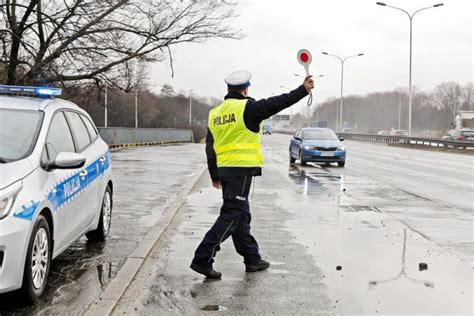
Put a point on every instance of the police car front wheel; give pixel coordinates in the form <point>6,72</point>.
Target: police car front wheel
<point>100,234</point>
<point>38,261</point>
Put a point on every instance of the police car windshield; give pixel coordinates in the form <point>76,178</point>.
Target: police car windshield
<point>319,135</point>
<point>18,132</point>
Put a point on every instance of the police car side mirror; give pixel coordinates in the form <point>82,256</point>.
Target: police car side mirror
<point>66,160</point>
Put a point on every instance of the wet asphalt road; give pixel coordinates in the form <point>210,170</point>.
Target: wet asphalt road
<point>146,181</point>
<point>390,233</point>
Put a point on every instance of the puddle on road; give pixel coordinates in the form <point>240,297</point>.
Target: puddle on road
<point>379,255</point>
<point>76,274</point>
<point>314,182</point>
<point>381,266</point>
<point>403,271</point>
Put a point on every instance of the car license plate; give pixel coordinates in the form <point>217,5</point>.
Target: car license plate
<point>327,153</point>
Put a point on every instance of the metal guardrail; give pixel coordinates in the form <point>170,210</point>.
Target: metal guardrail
<point>402,140</point>
<point>124,137</point>
<point>392,140</point>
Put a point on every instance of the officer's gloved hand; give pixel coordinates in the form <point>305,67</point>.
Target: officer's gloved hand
<point>308,83</point>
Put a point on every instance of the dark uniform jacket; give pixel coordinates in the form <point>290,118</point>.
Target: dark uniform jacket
<point>254,114</point>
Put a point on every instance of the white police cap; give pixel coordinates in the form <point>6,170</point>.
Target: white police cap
<point>239,79</point>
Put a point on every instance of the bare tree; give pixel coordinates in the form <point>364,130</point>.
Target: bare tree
<point>447,96</point>
<point>468,97</point>
<point>433,111</point>
<point>167,90</point>
<point>100,41</point>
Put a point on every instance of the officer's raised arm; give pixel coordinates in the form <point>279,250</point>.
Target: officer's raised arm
<point>258,111</point>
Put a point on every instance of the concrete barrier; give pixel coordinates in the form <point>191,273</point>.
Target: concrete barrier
<point>123,136</point>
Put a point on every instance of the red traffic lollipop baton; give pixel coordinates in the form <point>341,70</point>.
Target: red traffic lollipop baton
<point>304,58</point>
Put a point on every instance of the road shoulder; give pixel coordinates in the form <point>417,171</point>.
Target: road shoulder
<point>165,284</point>
<point>115,289</point>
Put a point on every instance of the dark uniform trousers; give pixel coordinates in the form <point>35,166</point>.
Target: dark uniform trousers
<point>234,220</point>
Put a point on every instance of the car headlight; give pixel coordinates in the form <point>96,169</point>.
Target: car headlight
<point>8,197</point>
<point>307,147</point>
<point>342,148</point>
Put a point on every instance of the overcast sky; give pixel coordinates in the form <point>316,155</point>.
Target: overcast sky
<point>276,29</point>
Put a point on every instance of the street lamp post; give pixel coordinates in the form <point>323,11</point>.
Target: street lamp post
<point>136,108</point>
<point>105,107</point>
<point>317,114</point>
<point>190,107</point>
<point>399,112</point>
<point>410,16</point>
<point>342,60</point>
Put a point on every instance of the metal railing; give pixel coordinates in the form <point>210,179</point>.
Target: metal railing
<point>402,140</point>
<point>123,136</point>
<point>405,140</point>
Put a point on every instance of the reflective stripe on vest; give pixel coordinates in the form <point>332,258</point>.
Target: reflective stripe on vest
<point>234,144</point>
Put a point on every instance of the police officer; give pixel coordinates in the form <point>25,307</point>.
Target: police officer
<point>234,156</point>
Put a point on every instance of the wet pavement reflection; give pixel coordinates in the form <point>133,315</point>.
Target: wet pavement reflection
<point>403,268</point>
<point>146,180</point>
<point>79,272</point>
<point>361,232</point>
<point>314,182</point>
<point>339,241</point>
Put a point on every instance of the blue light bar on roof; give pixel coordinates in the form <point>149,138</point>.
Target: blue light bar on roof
<point>34,91</point>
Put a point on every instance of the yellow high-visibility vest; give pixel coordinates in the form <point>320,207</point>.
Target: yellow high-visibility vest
<point>235,145</point>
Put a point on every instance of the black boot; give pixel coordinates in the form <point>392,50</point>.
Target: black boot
<point>210,273</point>
<point>259,266</point>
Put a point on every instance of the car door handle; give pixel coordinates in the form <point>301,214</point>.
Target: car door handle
<point>83,173</point>
<point>102,159</point>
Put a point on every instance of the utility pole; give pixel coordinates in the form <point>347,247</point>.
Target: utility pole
<point>317,115</point>
<point>105,108</point>
<point>399,112</point>
<point>455,107</point>
<point>190,107</point>
<point>136,108</point>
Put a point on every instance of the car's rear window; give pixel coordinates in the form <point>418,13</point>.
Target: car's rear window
<point>19,131</point>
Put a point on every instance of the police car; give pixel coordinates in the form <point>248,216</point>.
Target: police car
<point>55,184</point>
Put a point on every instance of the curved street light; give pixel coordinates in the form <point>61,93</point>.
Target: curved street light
<point>339,112</point>
<point>410,16</point>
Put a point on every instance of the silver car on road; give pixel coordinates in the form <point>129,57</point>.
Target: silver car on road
<point>55,184</point>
